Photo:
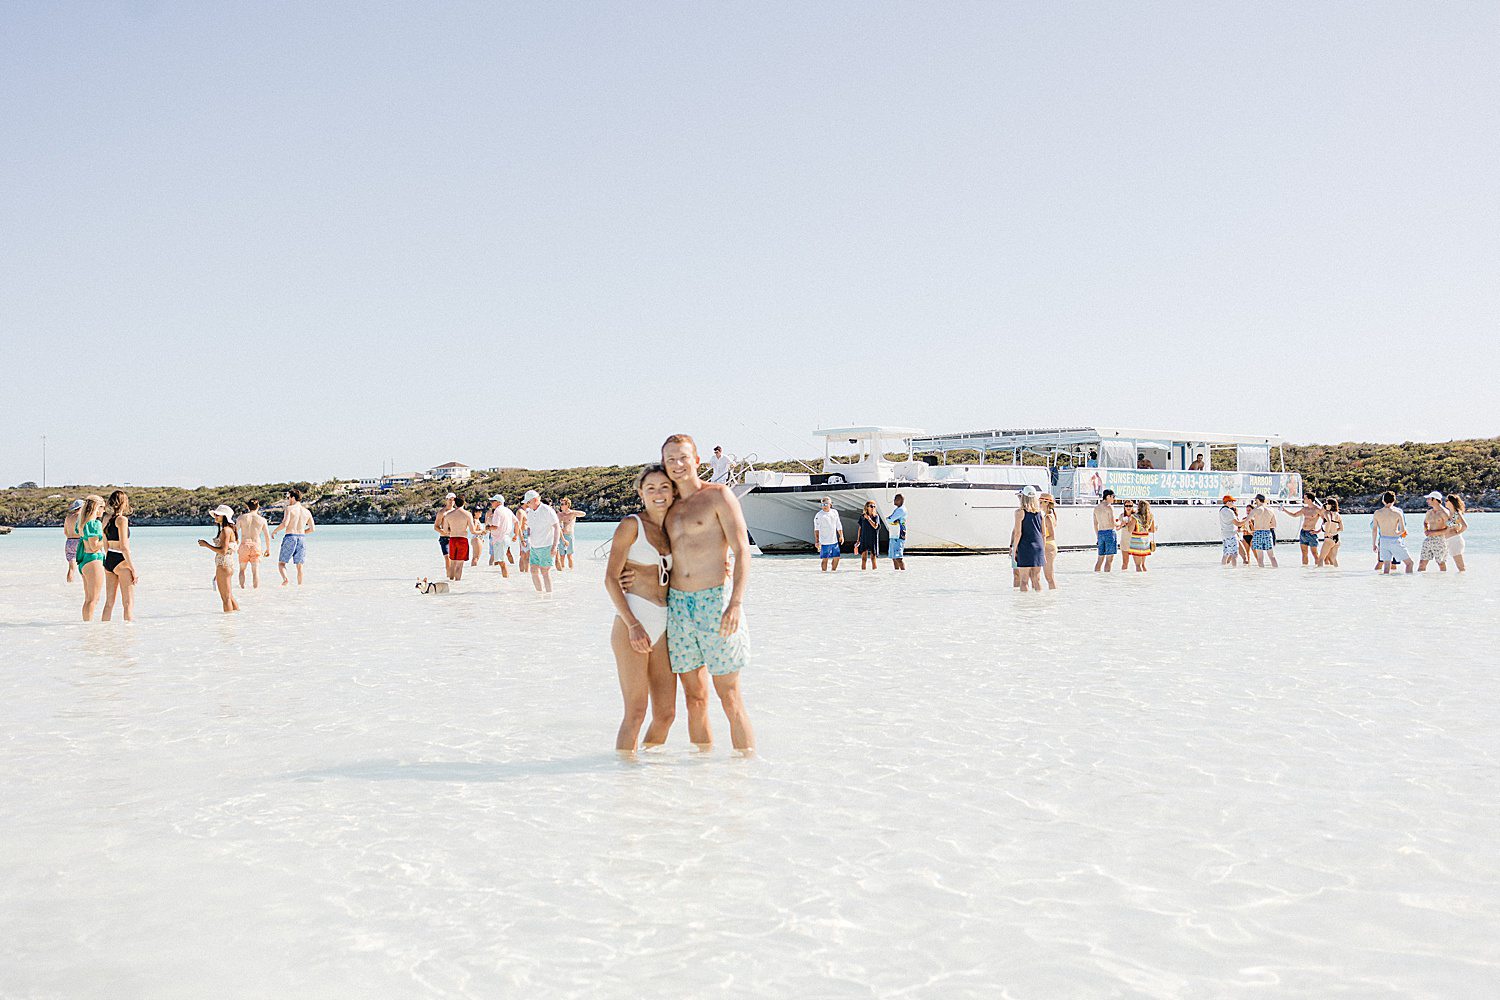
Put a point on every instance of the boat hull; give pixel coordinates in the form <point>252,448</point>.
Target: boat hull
<point>957,518</point>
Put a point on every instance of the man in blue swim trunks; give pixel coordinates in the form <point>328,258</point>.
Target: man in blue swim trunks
<point>704,624</point>
<point>1262,525</point>
<point>1311,513</point>
<point>1104,532</point>
<point>828,535</point>
<point>297,523</point>
<point>896,523</point>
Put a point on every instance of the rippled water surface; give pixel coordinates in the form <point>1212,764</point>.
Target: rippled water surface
<point>1189,783</point>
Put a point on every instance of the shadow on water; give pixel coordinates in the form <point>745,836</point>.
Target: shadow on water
<point>471,771</point>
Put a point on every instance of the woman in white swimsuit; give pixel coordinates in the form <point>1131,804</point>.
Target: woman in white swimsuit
<point>1457,525</point>
<point>638,636</point>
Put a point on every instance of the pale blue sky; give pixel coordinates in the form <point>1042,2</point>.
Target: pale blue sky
<point>240,240</point>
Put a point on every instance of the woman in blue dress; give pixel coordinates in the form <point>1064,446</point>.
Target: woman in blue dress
<point>1028,541</point>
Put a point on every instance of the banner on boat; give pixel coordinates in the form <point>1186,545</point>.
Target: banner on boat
<point>1168,484</point>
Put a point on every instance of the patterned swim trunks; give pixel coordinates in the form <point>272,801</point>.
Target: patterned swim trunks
<point>1435,549</point>
<point>693,638</point>
<point>1231,545</point>
<point>1262,540</point>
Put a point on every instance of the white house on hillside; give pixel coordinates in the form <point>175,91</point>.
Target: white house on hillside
<point>450,470</point>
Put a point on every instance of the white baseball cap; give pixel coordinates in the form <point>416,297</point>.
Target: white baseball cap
<point>450,496</point>
<point>76,505</point>
<point>1434,495</point>
<point>530,496</point>
<point>223,510</point>
<point>1030,491</point>
<point>498,498</point>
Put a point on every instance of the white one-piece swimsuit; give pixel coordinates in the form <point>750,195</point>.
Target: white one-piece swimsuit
<point>653,617</point>
<point>1455,542</point>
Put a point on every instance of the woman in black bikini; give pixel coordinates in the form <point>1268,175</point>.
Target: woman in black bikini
<point>120,576</point>
<point>1333,525</point>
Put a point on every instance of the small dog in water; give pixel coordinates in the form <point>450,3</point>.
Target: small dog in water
<point>426,587</point>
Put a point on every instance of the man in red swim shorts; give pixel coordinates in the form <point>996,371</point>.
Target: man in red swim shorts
<point>455,524</point>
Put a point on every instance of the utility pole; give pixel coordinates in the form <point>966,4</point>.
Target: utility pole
<point>44,461</point>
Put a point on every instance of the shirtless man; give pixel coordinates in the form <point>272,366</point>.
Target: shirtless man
<point>296,522</point>
<point>1311,513</point>
<point>1435,528</point>
<point>704,624</point>
<point>1387,529</point>
<point>254,541</point>
<point>457,523</point>
<point>1262,522</point>
<point>566,517</point>
<point>70,536</point>
<point>1104,532</point>
<point>439,520</point>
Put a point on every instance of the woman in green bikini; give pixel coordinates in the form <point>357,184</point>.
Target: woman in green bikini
<point>90,556</point>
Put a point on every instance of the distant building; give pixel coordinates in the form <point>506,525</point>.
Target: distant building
<point>450,470</point>
<point>398,481</point>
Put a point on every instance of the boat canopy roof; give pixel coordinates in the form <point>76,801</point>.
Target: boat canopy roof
<point>885,433</point>
<point>1064,437</point>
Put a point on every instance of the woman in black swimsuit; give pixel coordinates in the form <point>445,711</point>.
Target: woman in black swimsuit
<point>1333,526</point>
<point>868,542</point>
<point>120,576</point>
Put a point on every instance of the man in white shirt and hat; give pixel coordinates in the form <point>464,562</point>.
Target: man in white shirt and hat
<point>501,524</point>
<point>543,523</point>
<point>828,536</point>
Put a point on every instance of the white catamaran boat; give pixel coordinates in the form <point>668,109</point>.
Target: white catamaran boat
<point>971,507</point>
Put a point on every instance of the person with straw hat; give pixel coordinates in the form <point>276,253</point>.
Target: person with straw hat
<point>1229,531</point>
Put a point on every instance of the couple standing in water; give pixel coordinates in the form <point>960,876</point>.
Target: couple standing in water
<point>675,618</point>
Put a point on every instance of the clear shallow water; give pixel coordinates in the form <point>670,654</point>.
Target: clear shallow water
<point>1191,783</point>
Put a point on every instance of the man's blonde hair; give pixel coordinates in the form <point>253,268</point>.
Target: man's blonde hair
<point>686,439</point>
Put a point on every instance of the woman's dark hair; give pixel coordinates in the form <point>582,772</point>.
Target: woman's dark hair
<point>119,503</point>
<point>646,470</point>
<point>1456,502</point>
<point>1332,502</point>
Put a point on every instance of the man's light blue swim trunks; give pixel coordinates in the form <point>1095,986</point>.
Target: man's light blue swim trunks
<point>693,638</point>
<point>293,550</point>
<point>1393,549</point>
<point>895,548</point>
<point>828,552</point>
<point>1263,540</point>
<point>1231,545</point>
<point>565,545</point>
